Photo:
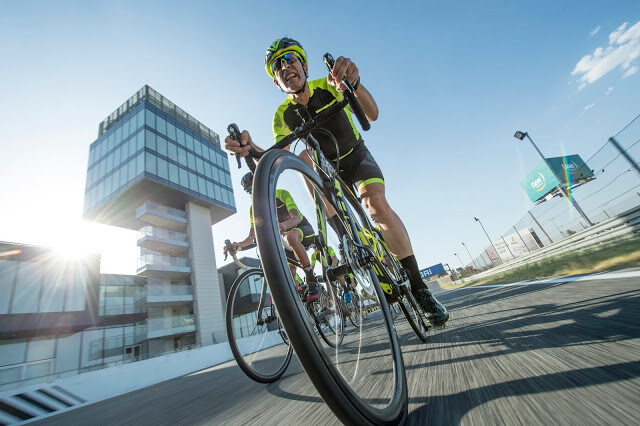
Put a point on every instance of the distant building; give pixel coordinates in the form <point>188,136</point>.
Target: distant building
<point>157,170</point>
<point>45,305</point>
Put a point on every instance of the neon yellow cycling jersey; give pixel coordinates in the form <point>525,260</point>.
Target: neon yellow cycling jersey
<point>284,203</point>
<point>315,255</point>
<point>290,115</point>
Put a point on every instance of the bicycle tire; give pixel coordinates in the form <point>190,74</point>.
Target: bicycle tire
<point>354,307</point>
<point>414,313</point>
<point>256,369</point>
<point>407,302</point>
<point>347,396</point>
<point>334,321</point>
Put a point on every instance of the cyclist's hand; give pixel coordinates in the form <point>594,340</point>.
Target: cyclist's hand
<point>343,67</point>
<point>241,147</point>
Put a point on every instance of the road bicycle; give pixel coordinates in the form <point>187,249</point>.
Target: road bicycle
<point>362,380</point>
<point>256,337</point>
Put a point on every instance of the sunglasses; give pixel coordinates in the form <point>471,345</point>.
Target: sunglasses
<point>249,189</point>
<point>288,56</point>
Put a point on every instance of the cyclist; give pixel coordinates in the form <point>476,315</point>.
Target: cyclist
<point>297,234</point>
<point>286,63</point>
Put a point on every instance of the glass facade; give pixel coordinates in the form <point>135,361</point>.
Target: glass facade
<point>148,142</point>
<point>37,287</point>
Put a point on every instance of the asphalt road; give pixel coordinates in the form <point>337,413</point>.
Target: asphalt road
<point>544,353</point>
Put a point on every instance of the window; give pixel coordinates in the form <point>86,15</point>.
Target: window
<point>218,193</point>
<point>7,277</point>
<point>193,182</point>
<point>161,125</point>
<point>210,191</point>
<point>190,142</point>
<point>181,137</point>
<point>199,165</point>
<point>174,174</point>
<point>184,178</point>
<point>163,168</point>
<point>150,163</point>
<point>182,157</point>
<point>140,140</point>
<point>28,287</point>
<point>118,137</point>
<point>139,163</point>
<point>109,162</point>
<point>198,147</point>
<point>191,161</point>
<point>162,145</point>
<point>131,165</point>
<point>150,140</point>
<point>150,119</point>
<point>125,130</point>
<point>172,151</point>
<point>171,131</point>
<point>202,185</point>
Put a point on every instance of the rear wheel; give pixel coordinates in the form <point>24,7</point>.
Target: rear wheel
<point>328,317</point>
<point>362,380</point>
<point>354,307</point>
<point>258,342</point>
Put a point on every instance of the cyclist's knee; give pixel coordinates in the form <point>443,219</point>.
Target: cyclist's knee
<point>293,237</point>
<point>376,204</point>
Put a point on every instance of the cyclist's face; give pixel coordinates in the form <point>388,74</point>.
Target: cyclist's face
<point>291,77</point>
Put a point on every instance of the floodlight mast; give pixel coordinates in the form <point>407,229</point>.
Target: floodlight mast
<point>521,135</point>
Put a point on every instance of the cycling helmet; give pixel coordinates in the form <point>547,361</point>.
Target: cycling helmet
<point>247,182</point>
<point>280,46</point>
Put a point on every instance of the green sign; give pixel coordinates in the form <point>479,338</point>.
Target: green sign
<point>570,169</point>
<point>539,182</point>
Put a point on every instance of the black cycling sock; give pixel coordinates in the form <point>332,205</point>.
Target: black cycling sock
<point>309,274</point>
<point>410,264</point>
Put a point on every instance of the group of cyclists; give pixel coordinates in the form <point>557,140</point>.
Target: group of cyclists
<point>286,63</point>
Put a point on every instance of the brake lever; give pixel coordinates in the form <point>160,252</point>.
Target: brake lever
<point>234,133</point>
<point>330,62</point>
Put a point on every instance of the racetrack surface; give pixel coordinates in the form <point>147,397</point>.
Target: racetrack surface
<point>559,352</point>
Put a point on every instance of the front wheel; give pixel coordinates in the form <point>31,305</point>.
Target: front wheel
<point>362,380</point>
<point>259,344</point>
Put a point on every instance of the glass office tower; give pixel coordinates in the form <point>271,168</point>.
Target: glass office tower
<point>157,170</point>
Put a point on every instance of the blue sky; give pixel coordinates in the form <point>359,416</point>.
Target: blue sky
<point>453,81</point>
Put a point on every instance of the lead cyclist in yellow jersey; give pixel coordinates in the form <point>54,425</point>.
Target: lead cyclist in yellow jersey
<point>286,63</point>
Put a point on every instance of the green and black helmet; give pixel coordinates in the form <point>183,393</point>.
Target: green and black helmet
<point>247,182</point>
<point>279,47</point>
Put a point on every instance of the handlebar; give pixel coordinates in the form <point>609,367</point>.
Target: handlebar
<point>349,94</point>
<point>234,133</point>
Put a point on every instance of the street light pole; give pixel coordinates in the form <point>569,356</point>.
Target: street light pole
<point>521,135</point>
<point>470,257</point>
<point>460,263</point>
<point>485,233</point>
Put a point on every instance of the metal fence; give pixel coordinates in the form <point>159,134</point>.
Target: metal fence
<point>614,191</point>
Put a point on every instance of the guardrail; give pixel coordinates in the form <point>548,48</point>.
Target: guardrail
<point>623,226</point>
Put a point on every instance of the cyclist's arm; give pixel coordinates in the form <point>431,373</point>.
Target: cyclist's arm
<point>292,222</point>
<point>242,245</point>
<point>367,102</point>
<point>241,147</point>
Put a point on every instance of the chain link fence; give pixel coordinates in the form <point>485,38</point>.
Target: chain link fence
<point>614,190</point>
